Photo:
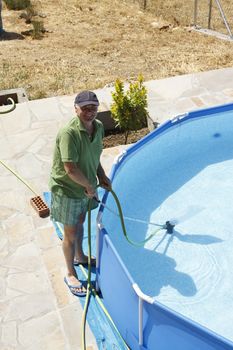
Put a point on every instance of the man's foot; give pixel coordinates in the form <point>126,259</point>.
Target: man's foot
<point>75,286</point>
<point>84,261</point>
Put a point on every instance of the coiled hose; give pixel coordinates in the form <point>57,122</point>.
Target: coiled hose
<point>90,288</point>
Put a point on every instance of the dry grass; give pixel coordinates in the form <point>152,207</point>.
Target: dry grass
<point>90,43</point>
<point>182,12</point>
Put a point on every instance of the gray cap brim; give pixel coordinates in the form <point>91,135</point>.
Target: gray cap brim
<point>86,103</point>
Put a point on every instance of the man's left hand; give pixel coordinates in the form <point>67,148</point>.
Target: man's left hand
<point>105,182</point>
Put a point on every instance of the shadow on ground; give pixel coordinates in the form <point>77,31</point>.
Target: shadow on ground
<point>10,36</point>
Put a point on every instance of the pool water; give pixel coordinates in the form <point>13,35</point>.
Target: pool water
<point>183,174</point>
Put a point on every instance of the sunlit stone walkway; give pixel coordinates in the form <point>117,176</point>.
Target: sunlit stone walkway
<point>36,309</point>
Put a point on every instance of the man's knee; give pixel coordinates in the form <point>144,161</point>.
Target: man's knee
<point>69,233</point>
<point>81,219</point>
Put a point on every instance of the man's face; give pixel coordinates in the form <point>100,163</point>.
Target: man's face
<point>86,113</point>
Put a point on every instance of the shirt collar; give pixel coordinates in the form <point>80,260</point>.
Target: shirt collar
<point>82,127</point>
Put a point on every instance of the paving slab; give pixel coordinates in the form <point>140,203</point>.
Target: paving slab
<point>170,97</point>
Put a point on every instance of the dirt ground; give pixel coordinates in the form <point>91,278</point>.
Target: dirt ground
<point>91,43</point>
<point>116,138</point>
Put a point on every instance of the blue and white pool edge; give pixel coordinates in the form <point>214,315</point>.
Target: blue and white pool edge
<point>205,339</point>
<point>202,337</point>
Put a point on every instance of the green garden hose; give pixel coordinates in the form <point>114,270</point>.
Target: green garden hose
<point>19,177</point>
<point>11,108</point>
<point>138,244</point>
<point>90,288</point>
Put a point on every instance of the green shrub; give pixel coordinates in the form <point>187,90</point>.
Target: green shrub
<point>129,108</point>
<point>17,4</point>
<point>29,13</point>
<point>38,29</point>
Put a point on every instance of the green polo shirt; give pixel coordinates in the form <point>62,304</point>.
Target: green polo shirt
<point>73,144</point>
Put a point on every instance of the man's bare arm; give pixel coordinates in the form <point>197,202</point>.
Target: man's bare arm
<point>77,176</point>
<point>104,181</point>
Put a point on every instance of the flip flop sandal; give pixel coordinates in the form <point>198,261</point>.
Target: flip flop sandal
<point>73,288</point>
<point>93,262</point>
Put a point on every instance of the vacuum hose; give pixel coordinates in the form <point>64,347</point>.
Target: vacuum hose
<point>167,226</point>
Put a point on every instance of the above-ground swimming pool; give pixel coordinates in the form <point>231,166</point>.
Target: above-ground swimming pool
<point>176,291</point>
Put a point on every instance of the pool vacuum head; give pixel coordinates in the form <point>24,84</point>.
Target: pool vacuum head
<point>169,227</point>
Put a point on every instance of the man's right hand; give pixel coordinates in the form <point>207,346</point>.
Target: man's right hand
<point>90,192</point>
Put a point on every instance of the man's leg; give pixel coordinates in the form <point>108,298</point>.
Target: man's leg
<point>68,246</point>
<point>79,255</point>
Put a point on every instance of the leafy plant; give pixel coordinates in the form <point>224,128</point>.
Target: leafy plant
<point>32,17</point>
<point>129,107</point>
<point>17,4</point>
<point>29,13</point>
<point>38,29</point>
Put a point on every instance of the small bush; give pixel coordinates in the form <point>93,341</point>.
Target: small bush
<point>38,29</point>
<point>17,4</point>
<point>129,108</point>
<point>28,15</point>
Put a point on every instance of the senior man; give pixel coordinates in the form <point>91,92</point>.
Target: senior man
<point>76,167</point>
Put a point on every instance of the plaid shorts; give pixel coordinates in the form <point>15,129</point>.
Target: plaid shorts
<point>67,210</point>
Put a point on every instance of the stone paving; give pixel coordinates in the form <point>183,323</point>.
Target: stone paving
<point>36,309</point>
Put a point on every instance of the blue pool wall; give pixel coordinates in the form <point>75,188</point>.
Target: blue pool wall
<point>163,329</point>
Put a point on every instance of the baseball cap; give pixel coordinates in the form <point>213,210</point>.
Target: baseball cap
<point>85,98</point>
